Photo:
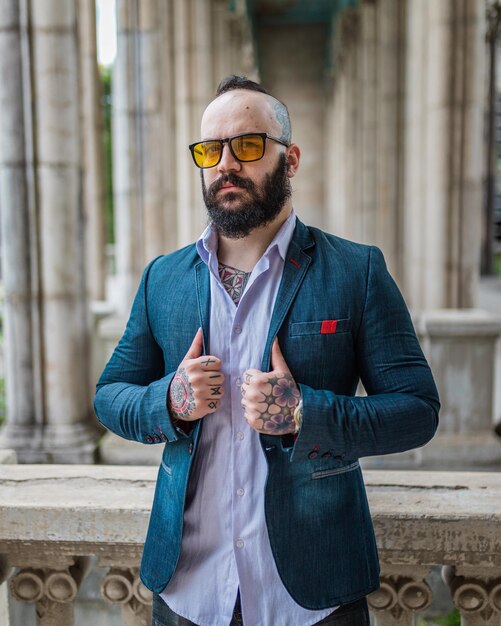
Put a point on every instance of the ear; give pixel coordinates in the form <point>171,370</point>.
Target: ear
<point>293,156</point>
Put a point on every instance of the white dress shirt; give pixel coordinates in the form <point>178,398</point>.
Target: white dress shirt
<point>225,544</point>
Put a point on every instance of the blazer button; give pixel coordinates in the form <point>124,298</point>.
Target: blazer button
<point>313,455</point>
<point>327,455</point>
<point>190,448</point>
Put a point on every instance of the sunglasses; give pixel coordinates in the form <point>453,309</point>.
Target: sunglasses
<point>246,148</point>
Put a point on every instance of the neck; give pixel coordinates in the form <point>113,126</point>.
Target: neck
<point>244,253</point>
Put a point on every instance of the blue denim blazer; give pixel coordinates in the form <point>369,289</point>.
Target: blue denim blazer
<point>339,318</point>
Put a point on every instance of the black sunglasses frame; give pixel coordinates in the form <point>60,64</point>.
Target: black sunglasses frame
<point>228,140</point>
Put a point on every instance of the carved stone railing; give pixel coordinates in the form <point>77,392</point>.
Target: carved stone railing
<point>52,518</point>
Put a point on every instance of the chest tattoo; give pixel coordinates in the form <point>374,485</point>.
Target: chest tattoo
<point>234,281</point>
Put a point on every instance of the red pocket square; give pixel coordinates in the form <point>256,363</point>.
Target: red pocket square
<point>328,327</point>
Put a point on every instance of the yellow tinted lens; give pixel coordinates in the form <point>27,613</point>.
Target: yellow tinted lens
<point>248,147</point>
<point>207,153</point>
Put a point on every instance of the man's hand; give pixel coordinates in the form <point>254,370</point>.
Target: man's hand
<point>197,387</point>
<point>269,398</point>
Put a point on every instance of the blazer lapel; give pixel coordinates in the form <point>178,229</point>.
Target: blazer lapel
<point>202,282</point>
<point>295,266</point>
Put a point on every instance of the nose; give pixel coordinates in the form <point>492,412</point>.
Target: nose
<point>228,163</point>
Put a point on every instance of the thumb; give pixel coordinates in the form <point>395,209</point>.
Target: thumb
<point>277,359</point>
<point>196,347</point>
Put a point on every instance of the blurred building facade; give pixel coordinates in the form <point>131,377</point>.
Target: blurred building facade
<point>388,101</point>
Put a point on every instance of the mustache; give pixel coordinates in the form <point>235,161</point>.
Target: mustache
<point>233,179</point>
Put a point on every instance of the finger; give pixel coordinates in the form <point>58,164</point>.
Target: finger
<point>249,374</point>
<point>209,362</point>
<point>213,377</point>
<point>197,346</point>
<point>216,391</point>
<point>278,363</point>
<point>213,405</point>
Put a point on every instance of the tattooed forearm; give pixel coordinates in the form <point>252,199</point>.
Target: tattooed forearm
<point>280,397</point>
<point>182,400</point>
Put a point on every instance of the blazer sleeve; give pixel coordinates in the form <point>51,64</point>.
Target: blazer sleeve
<point>131,394</point>
<point>400,411</point>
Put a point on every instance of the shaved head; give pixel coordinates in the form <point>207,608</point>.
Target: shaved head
<point>280,111</point>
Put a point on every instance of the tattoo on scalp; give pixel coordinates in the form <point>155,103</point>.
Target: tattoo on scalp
<point>280,398</point>
<point>283,119</point>
<point>182,400</point>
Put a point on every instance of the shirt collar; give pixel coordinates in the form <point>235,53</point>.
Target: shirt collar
<point>207,243</point>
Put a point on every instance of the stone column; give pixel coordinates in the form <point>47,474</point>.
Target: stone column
<point>343,117</point>
<point>126,179</point>
<point>194,89</point>
<point>23,429</point>
<point>402,594</point>
<point>389,104</point>
<point>54,357</point>
<point>123,586</point>
<point>368,160</point>
<point>92,151</point>
<point>64,316</point>
<point>444,138</point>
<point>143,142</point>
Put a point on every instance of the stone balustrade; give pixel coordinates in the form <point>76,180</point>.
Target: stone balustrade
<point>52,518</point>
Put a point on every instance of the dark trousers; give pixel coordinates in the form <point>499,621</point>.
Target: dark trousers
<point>353,614</point>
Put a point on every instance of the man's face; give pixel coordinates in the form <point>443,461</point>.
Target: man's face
<point>243,196</point>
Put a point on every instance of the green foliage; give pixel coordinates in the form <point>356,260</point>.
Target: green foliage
<point>451,619</point>
<point>108,163</point>
<point>497,264</point>
<point>2,402</point>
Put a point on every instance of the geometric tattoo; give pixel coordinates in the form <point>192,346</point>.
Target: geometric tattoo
<point>233,280</point>
<point>182,401</point>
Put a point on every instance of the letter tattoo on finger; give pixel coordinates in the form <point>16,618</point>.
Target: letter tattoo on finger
<point>208,362</point>
<point>213,404</point>
<point>216,390</point>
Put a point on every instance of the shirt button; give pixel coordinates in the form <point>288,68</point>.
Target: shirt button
<point>239,543</point>
<point>240,435</point>
<point>238,382</point>
<point>240,491</point>
<point>238,329</point>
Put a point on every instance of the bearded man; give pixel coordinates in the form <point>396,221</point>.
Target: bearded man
<point>242,356</point>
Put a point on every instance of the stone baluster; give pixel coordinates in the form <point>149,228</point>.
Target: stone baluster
<point>4,574</point>
<point>401,595</point>
<point>122,585</point>
<point>53,589</point>
<point>477,597</point>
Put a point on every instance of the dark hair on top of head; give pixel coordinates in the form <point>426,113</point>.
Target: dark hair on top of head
<point>233,82</point>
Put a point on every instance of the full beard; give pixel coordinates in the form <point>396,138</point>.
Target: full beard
<point>260,209</point>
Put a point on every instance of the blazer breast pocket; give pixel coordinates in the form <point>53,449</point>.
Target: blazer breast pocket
<point>320,327</point>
